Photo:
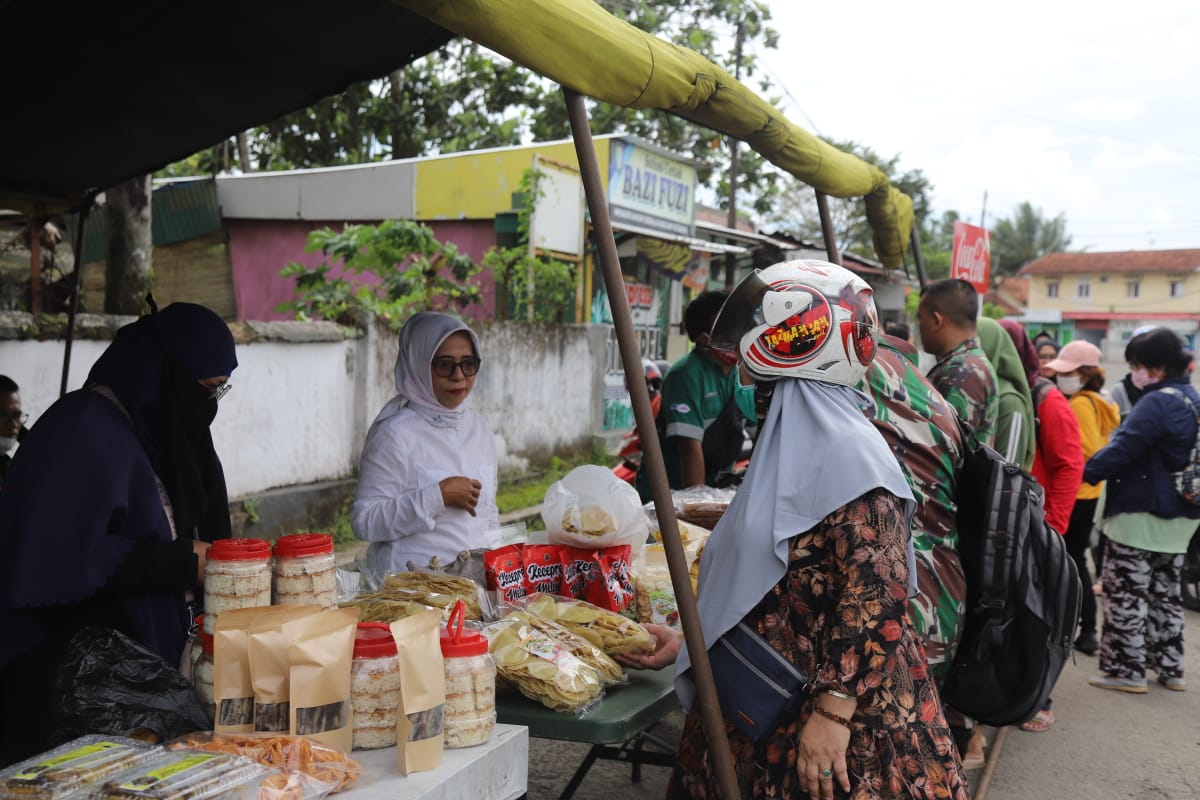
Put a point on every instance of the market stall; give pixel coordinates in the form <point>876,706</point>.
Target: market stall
<point>52,166</point>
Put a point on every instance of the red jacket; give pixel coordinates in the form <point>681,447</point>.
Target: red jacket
<point>1058,460</point>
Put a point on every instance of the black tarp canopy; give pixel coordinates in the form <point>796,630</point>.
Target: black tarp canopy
<point>106,91</point>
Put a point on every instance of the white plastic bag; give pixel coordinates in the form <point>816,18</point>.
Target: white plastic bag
<point>593,508</point>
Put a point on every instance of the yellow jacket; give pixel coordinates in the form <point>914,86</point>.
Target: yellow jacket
<point>1098,418</point>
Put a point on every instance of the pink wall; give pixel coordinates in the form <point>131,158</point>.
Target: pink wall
<point>259,249</point>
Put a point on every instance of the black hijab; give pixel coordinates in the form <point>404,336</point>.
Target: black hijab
<point>153,367</point>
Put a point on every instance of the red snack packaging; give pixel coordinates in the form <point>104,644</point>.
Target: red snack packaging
<point>543,568</point>
<point>579,571</point>
<point>614,589</point>
<point>504,570</point>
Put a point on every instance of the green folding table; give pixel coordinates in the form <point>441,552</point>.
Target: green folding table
<point>617,729</point>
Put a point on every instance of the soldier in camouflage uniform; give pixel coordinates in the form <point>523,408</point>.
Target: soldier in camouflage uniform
<point>920,428</point>
<point>963,374</point>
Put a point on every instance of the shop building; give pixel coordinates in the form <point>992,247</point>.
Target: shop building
<point>1104,297</point>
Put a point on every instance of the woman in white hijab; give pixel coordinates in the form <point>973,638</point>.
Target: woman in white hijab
<point>811,556</point>
<point>427,478</point>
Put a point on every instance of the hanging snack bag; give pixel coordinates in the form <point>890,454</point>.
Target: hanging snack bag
<point>270,671</point>
<point>543,568</point>
<point>420,723</point>
<point>320,649</point>
<point>504,569</point>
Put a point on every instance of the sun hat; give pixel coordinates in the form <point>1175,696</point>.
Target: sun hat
<point>1074,355</point>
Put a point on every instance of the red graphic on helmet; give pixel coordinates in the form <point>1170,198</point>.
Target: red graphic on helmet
<point>800,336</point>
<point>858,331</point>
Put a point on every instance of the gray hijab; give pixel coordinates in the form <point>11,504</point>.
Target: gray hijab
<point>816,453</point>
<point>420,338</point>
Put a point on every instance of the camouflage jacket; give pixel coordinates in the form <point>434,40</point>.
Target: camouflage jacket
<point>921,429</point>
<point>967,380</point>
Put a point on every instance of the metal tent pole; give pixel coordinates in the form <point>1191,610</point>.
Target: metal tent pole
<point>831,248</point>
<point>652,458</point>
<point>73,304</point>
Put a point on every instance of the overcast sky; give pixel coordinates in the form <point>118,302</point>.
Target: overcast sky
<point>1090,111</point>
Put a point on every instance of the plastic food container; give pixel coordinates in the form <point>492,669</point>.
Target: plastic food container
<point>72,766</point>
<point>470,711</point>
<point>305,570</point>
<point>374,686</point>
<point>202,669</point>
<point>237,574</point>
<point>182,775</point>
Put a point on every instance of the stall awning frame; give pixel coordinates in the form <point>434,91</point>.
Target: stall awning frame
<point>699,245</point>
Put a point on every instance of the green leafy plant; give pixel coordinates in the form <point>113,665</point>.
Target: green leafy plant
<point>250,506</point>
<point>415,272</point>
<point>545,285</point>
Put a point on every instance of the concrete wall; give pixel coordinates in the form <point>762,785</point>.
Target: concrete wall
<point>304,394</point>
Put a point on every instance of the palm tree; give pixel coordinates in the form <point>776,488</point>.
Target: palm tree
<point>1027,236</point>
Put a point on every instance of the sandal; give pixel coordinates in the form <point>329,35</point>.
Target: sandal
<point>1040,723</point>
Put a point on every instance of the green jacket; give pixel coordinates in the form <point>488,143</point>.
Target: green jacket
<point>1016,424</point>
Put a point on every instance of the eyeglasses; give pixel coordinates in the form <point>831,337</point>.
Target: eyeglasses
<point>219,391</point>
<point>19,417</point>
<point>444,367</point>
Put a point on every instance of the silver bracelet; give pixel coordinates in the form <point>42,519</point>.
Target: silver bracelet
<point>839,695</point>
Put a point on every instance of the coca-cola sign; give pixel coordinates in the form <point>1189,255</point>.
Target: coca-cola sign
<point>971,259</point>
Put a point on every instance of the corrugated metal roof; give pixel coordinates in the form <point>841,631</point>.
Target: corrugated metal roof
<point>179,211</point>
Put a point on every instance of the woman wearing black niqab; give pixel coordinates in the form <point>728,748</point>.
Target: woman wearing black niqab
<point>108,507</point>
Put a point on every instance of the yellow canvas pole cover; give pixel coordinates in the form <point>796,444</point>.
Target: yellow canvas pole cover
<point>580,45</point>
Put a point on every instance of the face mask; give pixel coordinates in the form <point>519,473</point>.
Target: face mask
<point>1140,378</point>
<point>7,443</point>
<point>726,358</point>
<point>1070,384</point>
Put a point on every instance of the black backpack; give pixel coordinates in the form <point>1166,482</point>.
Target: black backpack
<point>1023,594</point>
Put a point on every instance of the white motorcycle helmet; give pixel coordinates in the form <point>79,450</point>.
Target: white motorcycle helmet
<point>800,319</point>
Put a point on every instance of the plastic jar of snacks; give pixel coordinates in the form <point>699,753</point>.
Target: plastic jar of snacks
<point>237,574</point>
<point>305,570</point>
<point>374,686</point>
<point>202,669</point>
<point>470,712</point>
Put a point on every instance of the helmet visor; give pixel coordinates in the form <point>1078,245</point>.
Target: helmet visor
<point>741,313</point>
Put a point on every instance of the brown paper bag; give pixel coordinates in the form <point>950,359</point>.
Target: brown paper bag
<point>420,721</point>
<point>320,649</point>
<point>233,693</point>
<point>270,670</point>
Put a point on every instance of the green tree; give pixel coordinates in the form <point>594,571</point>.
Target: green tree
<point>1026,236</point>
<point>415,272</point>
<point>796,211</point>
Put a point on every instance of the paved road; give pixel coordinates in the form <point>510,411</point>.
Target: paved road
<point>1110,745</point>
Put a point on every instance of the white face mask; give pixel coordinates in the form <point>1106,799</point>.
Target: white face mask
<point>1070,384</point>
<point>1140,378</point>
<point>7,443</point>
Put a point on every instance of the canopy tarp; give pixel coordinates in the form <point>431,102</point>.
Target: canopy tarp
<point>119,91</point>
<point>583,47</point>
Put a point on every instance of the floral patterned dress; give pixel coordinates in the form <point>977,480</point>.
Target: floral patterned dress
<point>839,612</point>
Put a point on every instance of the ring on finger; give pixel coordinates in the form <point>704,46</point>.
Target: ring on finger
<point>826,774</point>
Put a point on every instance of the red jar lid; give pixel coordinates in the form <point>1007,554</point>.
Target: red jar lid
<point>206,639</point>
<point>460,642</point>
<point>303,544</point>
<point>240,550</point>
<point>374,640</point>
